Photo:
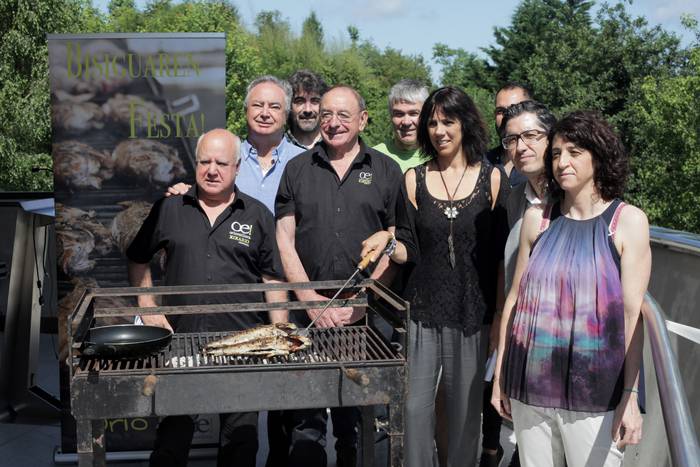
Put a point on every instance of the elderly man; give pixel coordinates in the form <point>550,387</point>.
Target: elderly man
<point>405,103</point>
<point>303,122</point>
<point>214,234</point>
<point>266,151</point>
<point>330,199</point>
<point>510,93</point>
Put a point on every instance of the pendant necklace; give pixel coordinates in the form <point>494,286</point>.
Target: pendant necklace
<point>451,213</point>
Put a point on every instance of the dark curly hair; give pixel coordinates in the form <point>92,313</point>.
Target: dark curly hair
<point>589,130</point>
<point>454,103</point>
<point>307,81</point>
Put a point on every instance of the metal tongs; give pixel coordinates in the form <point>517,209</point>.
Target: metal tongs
<point>360,267</point>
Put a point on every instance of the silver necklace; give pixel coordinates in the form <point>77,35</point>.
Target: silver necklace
<point>451,213</point>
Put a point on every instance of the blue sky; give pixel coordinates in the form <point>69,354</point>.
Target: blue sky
<point>413,26</point>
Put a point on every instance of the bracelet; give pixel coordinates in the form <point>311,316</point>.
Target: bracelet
<point>636,391</point>
<point>391,247</point>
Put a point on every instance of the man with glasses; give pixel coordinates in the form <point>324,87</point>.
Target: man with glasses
<point>510,93</point>
<point>213,234</point>
<point>330,199</point>
<point>303,122</point>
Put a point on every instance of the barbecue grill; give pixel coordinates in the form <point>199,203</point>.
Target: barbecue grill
<point>349,366</point>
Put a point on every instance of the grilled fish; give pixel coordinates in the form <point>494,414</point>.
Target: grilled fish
<point>265,347</point>
<point>260,332</point>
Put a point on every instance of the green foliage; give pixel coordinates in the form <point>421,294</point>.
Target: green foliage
<point>312,31</point>
<point>666,148</point>
<point>24,97</point>
<point>243,64</point>
<point>362,65</point>
<point>638,75</point>
<point>271,48</point>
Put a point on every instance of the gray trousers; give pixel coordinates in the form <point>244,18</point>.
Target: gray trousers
<point>460,359</point>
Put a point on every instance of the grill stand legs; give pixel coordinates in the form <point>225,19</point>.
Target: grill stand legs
<point>367,433</point>
<point>396,432</point>
<point>91,443</point>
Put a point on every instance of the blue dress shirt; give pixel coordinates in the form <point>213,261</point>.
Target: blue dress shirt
<point>250,179</point>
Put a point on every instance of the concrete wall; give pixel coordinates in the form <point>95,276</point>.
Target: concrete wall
<point>675,284</point>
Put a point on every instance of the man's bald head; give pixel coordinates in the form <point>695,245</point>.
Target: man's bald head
<point>217,164</point>
<point>220,136</point>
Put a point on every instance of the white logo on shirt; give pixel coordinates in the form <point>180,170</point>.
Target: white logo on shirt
<point>241,233</point>
<point>365,178</point>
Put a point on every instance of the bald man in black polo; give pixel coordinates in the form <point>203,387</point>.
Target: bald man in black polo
<point>214,234</point>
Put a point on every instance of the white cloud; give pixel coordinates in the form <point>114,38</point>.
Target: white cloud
<point>673,9</point>
<point>380,9</point>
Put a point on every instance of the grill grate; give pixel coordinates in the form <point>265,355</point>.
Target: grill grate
<point>352,345</point>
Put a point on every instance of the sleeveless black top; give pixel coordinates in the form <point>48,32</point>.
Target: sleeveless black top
<point>463,297</point>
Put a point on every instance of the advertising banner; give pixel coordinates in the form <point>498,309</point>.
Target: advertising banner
<point>126,113</point>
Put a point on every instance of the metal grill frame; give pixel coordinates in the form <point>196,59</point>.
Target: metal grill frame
<point>108,393</point>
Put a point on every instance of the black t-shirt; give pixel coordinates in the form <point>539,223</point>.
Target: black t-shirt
<point>334,216</point>
<point>238,249</point>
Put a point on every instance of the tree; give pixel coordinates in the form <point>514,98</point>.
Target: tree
<point>664,132</point>
<point>535,26</point>
<point>24,95</point>
<point>464,69</point>
<point>638,75</point>
<point>312,31</point>
<point>354,34</point>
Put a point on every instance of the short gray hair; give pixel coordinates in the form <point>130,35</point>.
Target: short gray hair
<point>281,83</point>
<point>407,90</point>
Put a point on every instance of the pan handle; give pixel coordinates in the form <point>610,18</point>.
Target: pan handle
<point>89,351</point>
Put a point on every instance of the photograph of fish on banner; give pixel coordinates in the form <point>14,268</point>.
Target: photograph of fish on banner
<point>126,113</point>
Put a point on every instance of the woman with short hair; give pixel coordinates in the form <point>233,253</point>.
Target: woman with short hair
<point>570,348</point>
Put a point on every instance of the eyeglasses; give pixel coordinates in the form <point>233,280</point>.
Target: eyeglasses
<point>529,137</point>
<point>344,117</point>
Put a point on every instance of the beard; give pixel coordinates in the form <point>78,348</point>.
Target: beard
<point>306,125</point>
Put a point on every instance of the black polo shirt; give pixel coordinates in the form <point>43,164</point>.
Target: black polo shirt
<point>238,249</point>
<point>334,216</point>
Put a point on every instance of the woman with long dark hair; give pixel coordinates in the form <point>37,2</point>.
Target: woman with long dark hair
<point>570,348</point>
<point>452,228</point>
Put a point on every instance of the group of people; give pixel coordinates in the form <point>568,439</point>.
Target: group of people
<point>525,253</point>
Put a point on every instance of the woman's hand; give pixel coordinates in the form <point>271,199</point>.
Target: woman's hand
<point>627,424</point>
<point>376,244</point>
<point>500,400</point>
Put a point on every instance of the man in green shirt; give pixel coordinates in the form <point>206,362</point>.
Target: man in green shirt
<point>405,102</point>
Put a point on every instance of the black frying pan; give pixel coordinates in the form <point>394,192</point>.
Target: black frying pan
<point>125,341</point>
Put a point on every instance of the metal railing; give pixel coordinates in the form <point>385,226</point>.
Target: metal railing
<point>680,431</point>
